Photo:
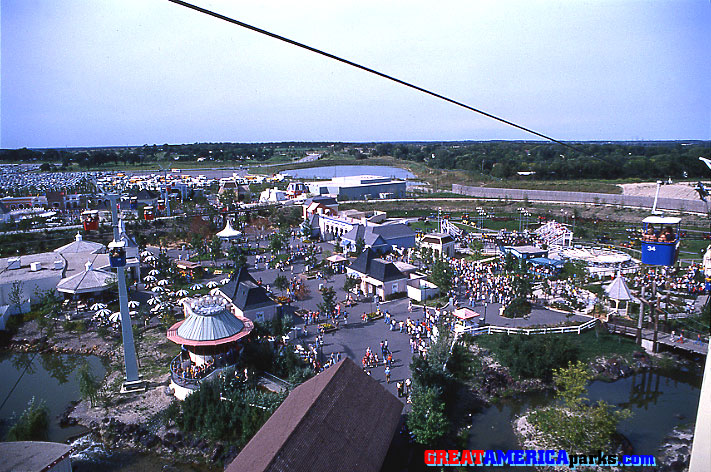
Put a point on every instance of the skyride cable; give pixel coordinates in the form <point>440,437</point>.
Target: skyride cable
<point>372,71</point>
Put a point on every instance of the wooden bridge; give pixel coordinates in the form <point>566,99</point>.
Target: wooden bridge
<point>690,345</point>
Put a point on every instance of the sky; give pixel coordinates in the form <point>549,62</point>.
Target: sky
<point>132,72</point>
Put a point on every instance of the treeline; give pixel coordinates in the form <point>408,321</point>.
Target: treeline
<point>498,159</point>
<point>551,161</point>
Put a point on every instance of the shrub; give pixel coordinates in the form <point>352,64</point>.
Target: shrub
<point>32,424</point>
<point>536,356</point>
<point>518,308</point>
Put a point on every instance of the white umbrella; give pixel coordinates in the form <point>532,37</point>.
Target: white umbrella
<point>212,284</point>
<point>114,317</point>
<point>225,281</point>
<point>196,287</point>
<point>146,253</point>
<point>182,292</point>
<point>163,282</point>
<point>98,306</point>
<point>149,278</point>
<point>215,291</point>
<point>157,289</point>
<point>153,301</point>
<point>150,258</point>
<point>153,272</point>
<point>103,312</point>
<point>156,308</point>
<point>134,304</point>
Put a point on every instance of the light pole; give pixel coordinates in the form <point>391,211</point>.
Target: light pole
<point>486,304</point>
<point>117,259</point>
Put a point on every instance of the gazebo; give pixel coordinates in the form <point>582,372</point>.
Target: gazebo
<point>90,281</point>
<point>229,233</point>
<point>618,291</point>
<point>209,335</point>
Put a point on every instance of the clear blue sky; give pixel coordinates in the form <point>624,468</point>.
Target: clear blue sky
<point>133,72</point>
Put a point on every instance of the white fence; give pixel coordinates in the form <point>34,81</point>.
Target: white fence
<point>527,331</point>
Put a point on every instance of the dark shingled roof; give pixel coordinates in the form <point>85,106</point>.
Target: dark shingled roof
<point>342,420</point>
<point>369,264</point>
<point>397,230</point>
<point>244,292</point>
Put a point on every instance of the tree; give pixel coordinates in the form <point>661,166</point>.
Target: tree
<point>215,248</point>
<point>329,300</point>
<point>15,296</point>
<point>427,420</point>
<point>359,245</point>
<point>442,275</point>
<point>89,385</point>
<point>276,243</point>
<point>350,283</point>
<point>280,283</point>
<point>238,257</point>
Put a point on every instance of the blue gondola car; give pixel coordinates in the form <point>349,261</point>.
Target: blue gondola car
<point>660,240</point>
<point>117,254</point>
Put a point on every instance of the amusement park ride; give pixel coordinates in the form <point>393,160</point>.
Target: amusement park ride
<point>660,236</point>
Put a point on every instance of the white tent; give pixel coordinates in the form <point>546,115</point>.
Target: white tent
<point>229,232</point>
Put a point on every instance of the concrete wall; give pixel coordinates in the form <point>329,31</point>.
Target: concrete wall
<point>581,197</point>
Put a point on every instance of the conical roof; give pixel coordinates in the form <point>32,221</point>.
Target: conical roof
<point>88,281</point>
<point>79,245</point>
<point>618,289</point>
<point>209,322</point>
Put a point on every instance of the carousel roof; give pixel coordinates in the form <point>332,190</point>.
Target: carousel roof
<point>79,245</point>
<point>229,232</point>
<point>209,322</point>
<point>88,281</point>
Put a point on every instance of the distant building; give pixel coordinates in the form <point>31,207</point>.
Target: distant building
<point>441,244</point>
<point>327,206</point>
<point>360,187</point>
<point>248,297</point>
<point>380,238</point>
<point>341,419</point>
<point>525,252</point>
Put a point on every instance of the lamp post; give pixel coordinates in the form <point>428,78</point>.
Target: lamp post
<point>486,304</point>
<point>117,258</point>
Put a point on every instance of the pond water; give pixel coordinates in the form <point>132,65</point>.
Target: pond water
<point>329,172</point>
<point>659,401</point>
<point>52,378</point>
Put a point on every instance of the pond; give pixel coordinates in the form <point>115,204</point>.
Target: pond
<point>329,172</point>
<point>52,378</point>
<point>659,400</point>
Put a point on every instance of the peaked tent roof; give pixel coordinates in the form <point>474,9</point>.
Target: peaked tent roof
<point>618,289</point>
<point>229,232</point>
<point>341,403</point>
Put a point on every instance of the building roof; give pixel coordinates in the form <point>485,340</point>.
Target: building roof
<point>25,273</point>
<point>88,281</point>
<point>31,456</point>
<point>208,322</point>
<point>79,245</point>
<point>328,201</point>
<point>527,249</point>
<point>368,264</point>
<point>342,419</point>
<point>437,238</point>
<point>244,292</point>
<point>397,230</point>
<point>618,289</point>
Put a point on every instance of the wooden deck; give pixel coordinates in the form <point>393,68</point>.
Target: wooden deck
<point>690,345</point>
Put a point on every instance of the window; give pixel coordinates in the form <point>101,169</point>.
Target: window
<point>396,288</point>
<point>260,316</point>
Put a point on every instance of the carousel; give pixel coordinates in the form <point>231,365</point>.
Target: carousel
<point>209,336</point>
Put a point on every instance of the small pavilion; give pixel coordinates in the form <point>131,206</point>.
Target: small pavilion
<point>209,335</point>
<point>619,292</point>
<point>90,282</point>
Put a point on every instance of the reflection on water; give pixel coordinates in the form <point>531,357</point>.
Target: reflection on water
<point>49,377</point>
<point>659,401</point>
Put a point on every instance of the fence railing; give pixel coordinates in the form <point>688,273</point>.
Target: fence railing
<point>528,331</point>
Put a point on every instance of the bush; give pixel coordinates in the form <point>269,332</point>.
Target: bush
<point>536,356</point>
<point>32,424</point>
